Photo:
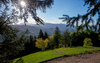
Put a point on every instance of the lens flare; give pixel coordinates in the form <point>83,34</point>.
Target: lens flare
<point>22,3</point>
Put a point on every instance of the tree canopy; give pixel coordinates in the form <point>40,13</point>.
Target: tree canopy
<point>86,19</point>
<point>40,34</point>
<point>10,44</point>
<point>11,10</point>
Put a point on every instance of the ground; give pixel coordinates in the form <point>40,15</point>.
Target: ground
<point>93,57</point>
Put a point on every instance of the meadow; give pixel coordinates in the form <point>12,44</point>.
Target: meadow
<point>55,53</point>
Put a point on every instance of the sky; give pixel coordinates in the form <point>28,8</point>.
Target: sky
<point>60,8</point>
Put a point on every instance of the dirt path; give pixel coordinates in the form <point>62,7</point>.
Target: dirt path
<point>84,58</point>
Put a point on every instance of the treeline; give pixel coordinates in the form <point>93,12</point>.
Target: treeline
<point>30,42</point>
<point>77,38</point>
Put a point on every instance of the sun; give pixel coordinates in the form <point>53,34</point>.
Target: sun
<point>22,3</point>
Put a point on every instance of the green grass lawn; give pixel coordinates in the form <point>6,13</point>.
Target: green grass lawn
<point>49,54</point>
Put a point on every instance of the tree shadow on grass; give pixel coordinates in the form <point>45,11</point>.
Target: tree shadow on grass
<point>20,60</point>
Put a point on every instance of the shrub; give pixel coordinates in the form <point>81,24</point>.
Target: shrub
<point>40,43</point>
<point>87,42</point>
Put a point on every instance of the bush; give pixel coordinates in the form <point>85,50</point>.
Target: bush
<point>87,42</point>
<point>40,43</point>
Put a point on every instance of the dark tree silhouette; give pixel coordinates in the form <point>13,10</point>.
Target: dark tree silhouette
<point>11,10</point>
<point>40,34</point>
<point>29,45</point>
<point>10,44</point>
<point>93,9</point>
<point>46,35</point>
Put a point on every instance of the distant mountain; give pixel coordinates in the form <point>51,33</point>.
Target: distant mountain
<point>48,27</point>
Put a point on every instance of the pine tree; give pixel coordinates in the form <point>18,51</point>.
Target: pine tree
<point>10,45</point>
<point>65,39</point>
<point>40,34</point>
<point>46,35</point>
<point>29,45</point>
<point>57,36</point>
<point>35,49</point>
<point>34,39</point>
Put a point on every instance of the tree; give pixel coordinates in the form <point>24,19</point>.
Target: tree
<point>41,34</point>
<point>77,38</point>
<point>11,10</point>
<point>51,43</point>
<point>29,45</point>
<point>87,42</point>
<point>46,35</point>
<point>65,39</point>
<point>93,9</point>
<point>40,43</point>
<point>34,43</point>
<point>10,45</point>
<point>57,36</point>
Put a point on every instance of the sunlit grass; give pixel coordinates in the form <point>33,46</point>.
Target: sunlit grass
<point>50,54</point>
<point>78,50</point>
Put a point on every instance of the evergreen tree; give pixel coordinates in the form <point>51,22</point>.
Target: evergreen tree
<point>34,47</point>
<point>40,34</point>
<point>34,39</point>
<point>31,38</point>
<point>65,39</point>
<point>10,45</point>
<point>46,35</point>
<point>57,36</point>
<point>57,31</point>
<point>29,45</point>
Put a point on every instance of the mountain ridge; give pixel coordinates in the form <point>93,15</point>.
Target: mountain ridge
<point>47,27</point>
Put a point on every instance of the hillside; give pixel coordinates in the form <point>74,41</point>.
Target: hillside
<point>48,27</point>
<point>52,54</point>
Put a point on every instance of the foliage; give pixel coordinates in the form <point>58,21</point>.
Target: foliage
<point>49,54</point>
<point>40,43</point>
<point>46,35</point>
<point>57,36</point>
<point>87,42</point>
<point>78,38</point>
<point>12,9</point>
<point>29,45</point>
<point>51,43</point>
<point>40,34</point>
<point>35,49</point>
<point>10,45</point>
<point>65,39</point>
<point>86,19</point>
<point>54,39</point>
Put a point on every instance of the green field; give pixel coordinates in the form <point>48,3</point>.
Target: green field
<point>51,54</point>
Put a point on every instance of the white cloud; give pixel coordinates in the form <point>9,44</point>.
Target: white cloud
<point>32,21</point>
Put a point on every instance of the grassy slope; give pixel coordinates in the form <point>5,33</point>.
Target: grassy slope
<point>47,55</point>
